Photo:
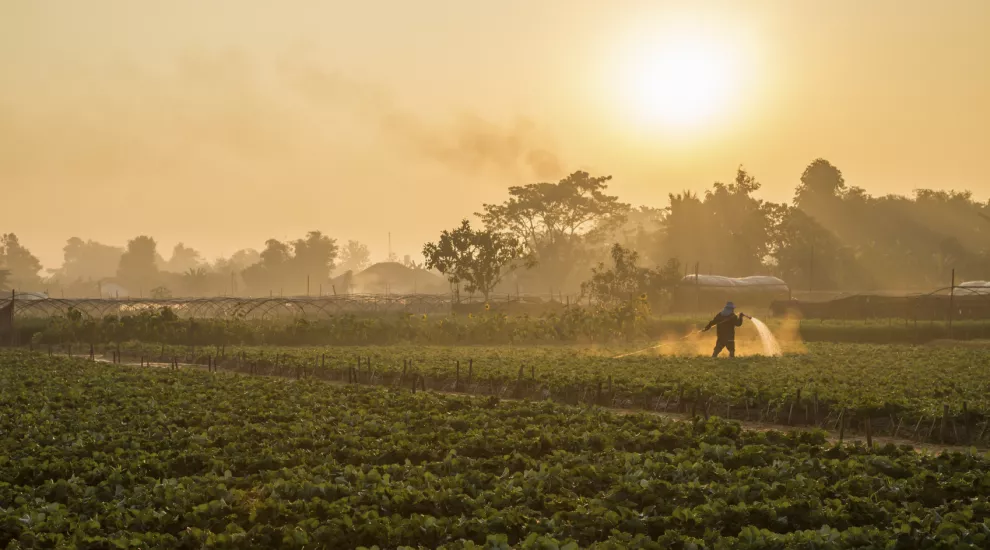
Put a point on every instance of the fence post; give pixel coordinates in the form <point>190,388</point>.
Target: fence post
<point>952,296</point>
<point>13,333</point>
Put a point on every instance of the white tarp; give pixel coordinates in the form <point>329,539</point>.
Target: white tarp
<point>30,296</point>
<point>756,283</point>
<point>973,287</point>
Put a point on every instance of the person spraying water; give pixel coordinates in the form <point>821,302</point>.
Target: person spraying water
<point>725,323</point>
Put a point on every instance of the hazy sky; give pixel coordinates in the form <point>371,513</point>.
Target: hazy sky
<point>224,123</point>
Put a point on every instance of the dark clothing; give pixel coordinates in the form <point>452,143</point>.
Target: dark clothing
<point>731,346</point>
<point>725,326</point>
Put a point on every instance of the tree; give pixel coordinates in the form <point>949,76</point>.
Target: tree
<point>88,260</point>
<point>609,286</point>
<point>820,182</point>
<point>275,254</point>
<point>138,267</point>
<point>726,232</point>
<point>183,259</point>
<point>23,266</point>
<point>314,256</point>
<point>286,266</point>
<point>557,220</point>
<point>237,262</point>
<point>267,274</point>
<point>354,257</point>
<point>4,278</point>
<point>196,281</point>
<point>809,256</point>
<point>477,258</point>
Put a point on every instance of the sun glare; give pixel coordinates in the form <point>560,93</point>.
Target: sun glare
<point>681,83</point>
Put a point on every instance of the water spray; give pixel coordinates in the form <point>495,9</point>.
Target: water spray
<point>770,345</point>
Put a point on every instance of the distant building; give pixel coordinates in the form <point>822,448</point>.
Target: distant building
<point>390,278</point>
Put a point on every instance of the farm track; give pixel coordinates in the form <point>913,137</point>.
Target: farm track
<point>831,435</point>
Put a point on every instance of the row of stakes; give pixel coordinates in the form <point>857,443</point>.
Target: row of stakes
<point>353,374</point>
<point>419,382</point>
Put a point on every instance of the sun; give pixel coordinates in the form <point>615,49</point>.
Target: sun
<point>678,82</point>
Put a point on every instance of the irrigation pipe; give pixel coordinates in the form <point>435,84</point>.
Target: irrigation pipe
<point>690,334</point>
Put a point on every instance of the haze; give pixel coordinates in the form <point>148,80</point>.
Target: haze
<point>225,123</point>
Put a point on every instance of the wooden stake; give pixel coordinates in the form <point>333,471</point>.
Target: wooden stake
<point>945,423</point>
<point>816,409</point>
<point>965,419</point>
<point>869,433</point>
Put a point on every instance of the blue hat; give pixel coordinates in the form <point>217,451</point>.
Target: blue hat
<point>730,305</point>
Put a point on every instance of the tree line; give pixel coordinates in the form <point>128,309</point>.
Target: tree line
<point>90,268</point>
<point>574,236</point>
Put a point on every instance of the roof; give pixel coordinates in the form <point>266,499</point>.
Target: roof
<point>397,279</point>
<point>755,282</point>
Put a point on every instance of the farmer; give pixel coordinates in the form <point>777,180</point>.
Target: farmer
<point>725,323</point>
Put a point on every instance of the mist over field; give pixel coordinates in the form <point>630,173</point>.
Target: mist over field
<point>550,274</point>
<point>248,122</point>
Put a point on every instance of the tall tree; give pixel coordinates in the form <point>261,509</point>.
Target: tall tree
<point>557,220</point>
<point>727,232</point>
<point>88,260</point>
<point>354,257</point>
<point>809,256</point>
<point>183,259</point>
<point>275,254</point>
<point>268,273</point>
<point>237,262</point>
<point>477,258</point>
<point>821,182</point>
<point>314,256</point>
<point>23,266</point>
<point>196,281</point>
<point>138,267</point>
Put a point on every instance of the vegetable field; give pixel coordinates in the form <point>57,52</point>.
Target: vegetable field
<point>104,456</point>
<point>922,393</point>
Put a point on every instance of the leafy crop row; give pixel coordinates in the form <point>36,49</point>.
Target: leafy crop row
<point>568,325</point>
<point>929,393</point>
<point>103,456</point>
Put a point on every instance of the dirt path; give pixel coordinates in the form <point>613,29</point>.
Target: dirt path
<point>831,436</point>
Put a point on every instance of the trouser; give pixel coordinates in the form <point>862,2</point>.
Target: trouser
<point>727,344</point>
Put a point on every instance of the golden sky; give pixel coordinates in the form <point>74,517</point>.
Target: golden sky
<point>223,123</point>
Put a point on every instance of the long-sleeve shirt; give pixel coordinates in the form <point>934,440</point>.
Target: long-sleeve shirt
<point>725,326</point>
